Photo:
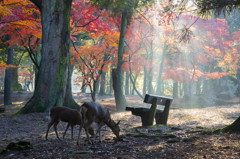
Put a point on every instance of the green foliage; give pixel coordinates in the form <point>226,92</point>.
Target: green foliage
<point>121,5</point>
<point>21,145</point>
<point>217,7</point>
<point>81,152</point>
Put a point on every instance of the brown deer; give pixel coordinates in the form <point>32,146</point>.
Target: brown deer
<point>96,112</point>
<point>71,116</point>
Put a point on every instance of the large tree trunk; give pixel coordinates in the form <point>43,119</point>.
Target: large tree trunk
<point>120,99</point>
<point>69,100</point>
<point>238,83</point>
<point>16,86</point>
<point>51,87</point>
<point>7,81</point>
<point>234,127</point>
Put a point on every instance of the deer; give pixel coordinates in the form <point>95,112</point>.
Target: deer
<point>71,116</point>
<point>96,112</point>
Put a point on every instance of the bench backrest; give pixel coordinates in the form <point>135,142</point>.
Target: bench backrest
<point>161,100</point>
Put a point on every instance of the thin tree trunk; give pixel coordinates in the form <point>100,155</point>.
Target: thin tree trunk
<point>133,84</point>
<point>175,90</point>
<point>150,75</point>
<point>7,81</point>
<point>83,88</point>
<point>103,84</point>
<point>159,90</point>
<point>120,99</point>
<point>127,83</point>
<point>52,83</point>
<point>145,81</point>
<point>111,83</point>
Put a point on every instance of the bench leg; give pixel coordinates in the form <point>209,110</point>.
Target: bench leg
<point>145,120</point>
<point>163,117</point>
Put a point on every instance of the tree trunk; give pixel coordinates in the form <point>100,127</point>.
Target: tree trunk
<point>93,91</point>
<point>16,86</point>
<point>102,84</point>
<point>238,83</point>
<point>120,100</point>
<point>150,75</point>
<point>175,90</point>
<point>51,87</point>
<point>111,83</point>
<point>160,81</point>
<point>7,81</point>
<point>97,87</point>
<point>145,81</point>
<point>234,127</point>
<point>83,87</point>
<point>133,83</point>
<point>69,100</point>
<point>127,83</point>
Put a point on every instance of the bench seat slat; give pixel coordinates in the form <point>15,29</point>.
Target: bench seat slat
<point>161,100</point>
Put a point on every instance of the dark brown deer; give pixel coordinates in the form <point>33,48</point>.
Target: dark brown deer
<point>96,112</point>
<point>71,116</point>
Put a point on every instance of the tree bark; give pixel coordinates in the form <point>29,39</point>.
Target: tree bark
<point>120,99</point>
<point>127,83</point>
<point>175,90</point>
<point>7,81</point>
<point>16,86</point>
<point>145,81</point>
<point>69,100</point>
<point>103,84</point>
<point>238,83</point>
<point>160,81</point>
<point>51,87</point>
<point>150,73</point>
<point>234,127</point>
<point>111,83</point>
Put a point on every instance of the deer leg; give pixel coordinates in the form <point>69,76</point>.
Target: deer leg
<point>79,133</point>
<point>55,128</point>
<point>100,125</point>
<point>86,130</point>
<point>49,126</point>
<point>66,130</point>
<point>72,131</point>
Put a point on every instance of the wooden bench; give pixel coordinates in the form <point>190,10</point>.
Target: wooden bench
<point>147,114</point>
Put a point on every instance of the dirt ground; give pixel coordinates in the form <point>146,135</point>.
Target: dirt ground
<point>183,137</point>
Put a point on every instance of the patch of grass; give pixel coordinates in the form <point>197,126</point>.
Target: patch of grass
<point>190,139</point>
<point>194,131</point>
<point>168,135</point>
<point>21,145</point>
<point>210,132</point>
<point>173,140</point>
<point>81,152</point>
<point>140,135</point>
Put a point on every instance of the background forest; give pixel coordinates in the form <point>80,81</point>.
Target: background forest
<point>168,50</point>
<point>65,52</point>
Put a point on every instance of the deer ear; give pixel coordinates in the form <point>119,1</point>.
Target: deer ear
<point>118,122</point>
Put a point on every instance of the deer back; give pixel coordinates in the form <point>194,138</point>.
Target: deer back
<point>66,114</point>
<point>97,112</point>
